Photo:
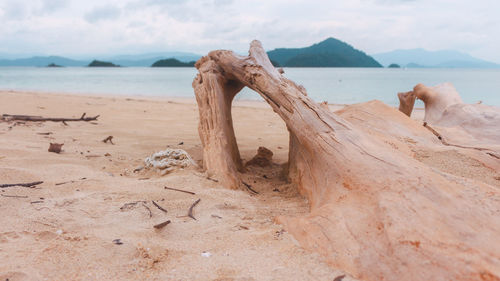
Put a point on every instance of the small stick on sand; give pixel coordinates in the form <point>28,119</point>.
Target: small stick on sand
<point>149,210</point>
<point>8,117</point>
<point>109,138</point>
<point>129,205</point>
<point>72,181</point>
<point>214,180</point>
<point>161,225</point>
<point>190,212</point>
<point>180,190</point>
<point>249,187</point>
<point>339,278</point>
<point>14,196</point>
<point>159,207</point>
<point>30,184</point>
<point>92,156</point>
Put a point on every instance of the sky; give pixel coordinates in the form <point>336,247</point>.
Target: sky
<point>81,28</point>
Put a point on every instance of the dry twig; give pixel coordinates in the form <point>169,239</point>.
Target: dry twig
<point>214,180</point>
<point>180,190</point>
<point>161,225</point>
<point>159,207</point>
<point>339,278</point>
<point>14,196</point>
<point>30,184</point>
<point>129,205</point>
<point>8,117</point>
<point>149,210</point>
<point>72,181</point>
<point>190,212</point>
<point>249,187</point>
<point>109,138</point>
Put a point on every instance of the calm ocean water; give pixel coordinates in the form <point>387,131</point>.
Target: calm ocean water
<point>336,85</point>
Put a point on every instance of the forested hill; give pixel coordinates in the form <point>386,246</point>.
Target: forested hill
<point>328,53</point>
<point>172,63</point>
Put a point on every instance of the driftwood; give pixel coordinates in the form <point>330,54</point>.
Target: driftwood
<point>468,126</point>
<point>30,184</point>
<point>375,211</point>
<point>8,117</point>
<point>444,108</point>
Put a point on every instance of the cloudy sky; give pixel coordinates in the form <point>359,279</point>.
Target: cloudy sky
<point>102,27</point>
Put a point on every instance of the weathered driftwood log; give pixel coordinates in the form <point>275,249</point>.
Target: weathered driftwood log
<point>464,125</point>
<point>375,211</point>
<point>436,100</point>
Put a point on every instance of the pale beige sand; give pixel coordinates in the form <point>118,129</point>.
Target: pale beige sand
<point>244,242</point>
<point>65,232</point>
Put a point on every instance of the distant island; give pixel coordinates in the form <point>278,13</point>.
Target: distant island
<point>394,65</point>
<point>97,63</point>
<point>53,65</point>
<point>172,63</point>
<point>328,53</point>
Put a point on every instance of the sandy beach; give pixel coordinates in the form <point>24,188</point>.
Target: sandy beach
<point>66,228</point>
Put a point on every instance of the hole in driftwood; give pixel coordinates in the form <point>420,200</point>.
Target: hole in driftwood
<point>263,146</point>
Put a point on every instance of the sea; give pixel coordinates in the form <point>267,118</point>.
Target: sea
<point>334,85</point>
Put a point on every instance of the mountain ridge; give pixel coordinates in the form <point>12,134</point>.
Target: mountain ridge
<point>139,60</point>
<point>432,59</point>
<point>330,52</point>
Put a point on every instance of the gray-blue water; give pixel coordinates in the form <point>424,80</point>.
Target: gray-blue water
<point>335,85</point>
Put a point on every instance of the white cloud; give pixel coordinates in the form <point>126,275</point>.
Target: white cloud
<point>108,12</point>
<point>110,26</point>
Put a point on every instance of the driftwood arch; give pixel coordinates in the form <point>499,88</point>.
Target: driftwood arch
<point>222,75</point>
<point>375,211</point>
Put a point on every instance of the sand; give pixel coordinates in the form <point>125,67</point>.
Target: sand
<point>66,231</point>
<point>64,228</point>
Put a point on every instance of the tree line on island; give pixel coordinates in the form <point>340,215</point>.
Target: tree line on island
<point>172,62</point>
<point>327,53</point>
